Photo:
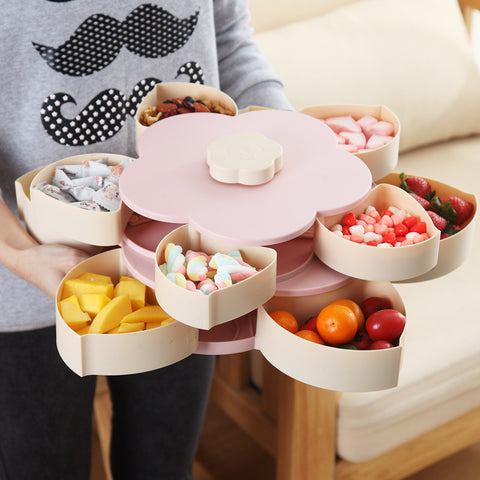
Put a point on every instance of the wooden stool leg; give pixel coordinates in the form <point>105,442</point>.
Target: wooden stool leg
<point>102,411</point>
<point>306,431</point>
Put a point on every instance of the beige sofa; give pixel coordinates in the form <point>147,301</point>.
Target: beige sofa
<point>413,56</point>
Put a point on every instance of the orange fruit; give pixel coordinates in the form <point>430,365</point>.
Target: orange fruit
<point>285,319</point>
<point>337,324</point>
<point>310,335</point>
<point>356,310</point>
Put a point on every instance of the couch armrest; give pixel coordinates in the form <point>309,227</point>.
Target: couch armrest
<point>467,7</point>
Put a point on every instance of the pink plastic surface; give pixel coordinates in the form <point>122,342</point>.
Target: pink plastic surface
<point>170,180</point>
<point>139,243</point>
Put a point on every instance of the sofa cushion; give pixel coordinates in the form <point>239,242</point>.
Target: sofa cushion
<point>440,373</point>
<point>413,56</point>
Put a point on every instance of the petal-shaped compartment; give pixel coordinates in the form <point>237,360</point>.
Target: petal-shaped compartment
<point>455,249</point>
<point>122,353</point>
<point>54,221</point>
<point>179,90</point>
<point>372,262</point>
<point>380,160</point>
<point>138,250</point>
<point>206,311</point>
<point>325,366</point>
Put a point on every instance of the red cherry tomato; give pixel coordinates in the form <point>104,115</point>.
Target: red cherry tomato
<point>387,324</point>
<point>380,345</point>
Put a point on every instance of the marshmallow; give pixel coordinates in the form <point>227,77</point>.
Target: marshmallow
<point>175,259</point>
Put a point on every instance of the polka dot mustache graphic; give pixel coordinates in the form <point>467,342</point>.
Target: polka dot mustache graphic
<point>105,115</point>
<point>148,31</point>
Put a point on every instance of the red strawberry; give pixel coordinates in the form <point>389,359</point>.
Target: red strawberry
<point>424,203</point>
<point>419,185</point>
<point>438,221</point>
<point>463,208</point>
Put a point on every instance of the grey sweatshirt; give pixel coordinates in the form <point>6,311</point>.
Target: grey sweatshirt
<point>62,61</point>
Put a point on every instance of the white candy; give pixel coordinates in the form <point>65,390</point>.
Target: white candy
<point>369,209</point>
<point>336,227</point>
<point>370,237</point>
<point>338,233</point>
<point>411,235</point>
<point>357,230</point>
<point>394,209</point>
<point>384,245</point>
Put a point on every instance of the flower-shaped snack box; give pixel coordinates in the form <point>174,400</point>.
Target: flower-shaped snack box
<point>378,263</point>
<point>52,221</point>
<point>455,249</point>
<point>382,160</point>
<point>121,353</point>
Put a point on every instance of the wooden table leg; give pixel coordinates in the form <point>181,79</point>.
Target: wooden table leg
<point>306,431</point>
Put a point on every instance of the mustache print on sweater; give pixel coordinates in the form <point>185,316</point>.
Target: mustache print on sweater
<point>105,115</point>
<point>148,31</point>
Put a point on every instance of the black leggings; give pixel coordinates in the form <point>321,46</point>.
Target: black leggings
<point>46,415</point>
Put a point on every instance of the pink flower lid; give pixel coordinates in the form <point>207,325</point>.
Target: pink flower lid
<point>171,180</point>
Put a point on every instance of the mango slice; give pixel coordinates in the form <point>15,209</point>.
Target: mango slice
<point>128,327</point>
<point>167,321</point>
<point>153,313</point>
<point>72,314</point>
<point>79,286</point>
<point>111,314</point>
<point>150,325</point>
<point>84,330</point>
<point>92,303</point>
<point>95,277</point>
<point>134,289</point>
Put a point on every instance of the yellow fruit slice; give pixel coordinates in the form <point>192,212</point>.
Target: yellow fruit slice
<point>79,286</point>
<point>128,327</point>
<point>150,325</point>
<point>84,330</point>
<point>72,314</point>
<point>133,288</point>
<point>111,314</point>
<point>95,277</point>
<point>92,303</point>
<point>152,313</point>
<point>167,321</point>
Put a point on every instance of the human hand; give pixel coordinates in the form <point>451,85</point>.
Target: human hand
<point>45,265</point>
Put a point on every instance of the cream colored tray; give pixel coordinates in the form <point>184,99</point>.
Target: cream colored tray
<point>381,161</point>
<point>374,263</point>
<point>325,366</point>
<point>123,353</point>
<point>453,250</point>
<point>52,221</point>
<point>170,90</point>
<point>206,311</point>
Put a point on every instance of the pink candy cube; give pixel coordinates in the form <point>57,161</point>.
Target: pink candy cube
<point>366,122</point>
<point>347,147</point>
<point>377,141</point>
<point>380,128</point>
<point>357,139</point>
<point>345,123</point>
